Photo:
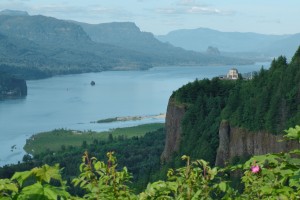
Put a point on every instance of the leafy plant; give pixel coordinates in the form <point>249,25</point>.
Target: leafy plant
<point>103,181</point>
<point>270,176</point>
<point>39,183</point>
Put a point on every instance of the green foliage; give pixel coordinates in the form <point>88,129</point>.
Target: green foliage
<point>270,101</point>
<point>54,140</point>
<point>39,183</point>
<point>140,154</point>
<point>293,133</point>
<point>205,100</point>
<point>103,181</point>
<point>270,176</point>
<point>11,86</point>
<point>195,181</point>
<point>278,176</point>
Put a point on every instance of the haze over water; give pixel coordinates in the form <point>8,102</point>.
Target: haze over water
<point>71,102</point>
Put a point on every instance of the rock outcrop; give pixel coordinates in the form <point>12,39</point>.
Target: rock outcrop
<point>174,117</point>
<point>233,141</point>
<point>238,142</point>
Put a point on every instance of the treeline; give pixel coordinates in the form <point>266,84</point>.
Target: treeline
<point>205,100</point>
<point>11,86</point>
<point>141,155</point>
<point>269,102</point>
<point>270,176</point>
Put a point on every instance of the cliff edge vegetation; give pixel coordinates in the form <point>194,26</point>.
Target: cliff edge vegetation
<point>269,103</point>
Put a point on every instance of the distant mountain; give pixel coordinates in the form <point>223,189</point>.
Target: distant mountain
<point>286,46</point>
<point>54,46</point>
<point>14,13</point>
<point>39,46</point>
<point>233,42</point>
<point>129,36</point>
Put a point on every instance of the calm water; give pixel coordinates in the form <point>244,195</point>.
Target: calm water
<point>71,102</point>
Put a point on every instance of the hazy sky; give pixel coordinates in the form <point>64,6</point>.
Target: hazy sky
<point>162,16</point>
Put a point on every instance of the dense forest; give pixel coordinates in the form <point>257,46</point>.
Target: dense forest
<point>141,155</point>
<point>11,86</point>
<point>204,100</point>
<point>269,102</point>
<point>270,176</point>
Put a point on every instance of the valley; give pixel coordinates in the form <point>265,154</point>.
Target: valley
<point>149,100</point>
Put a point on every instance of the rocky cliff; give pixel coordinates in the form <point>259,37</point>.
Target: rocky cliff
<point>234,142</point>
<point>174,116</point>
<point>238,142</point>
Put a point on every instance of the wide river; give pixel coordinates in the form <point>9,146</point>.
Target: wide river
<point>71,102</point>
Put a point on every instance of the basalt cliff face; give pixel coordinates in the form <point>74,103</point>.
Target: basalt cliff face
<point>238,142</point>
<point>174,116</point>
<point>233,141</point>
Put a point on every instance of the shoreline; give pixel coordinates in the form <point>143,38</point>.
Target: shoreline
<point>57,139</point>
<point>130,118</point>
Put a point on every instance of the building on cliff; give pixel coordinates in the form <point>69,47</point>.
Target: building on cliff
<point>232,74</point>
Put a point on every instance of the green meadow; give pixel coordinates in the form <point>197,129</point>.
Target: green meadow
<point>61,138</point>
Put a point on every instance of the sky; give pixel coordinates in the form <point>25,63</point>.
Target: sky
<point>163,16</point>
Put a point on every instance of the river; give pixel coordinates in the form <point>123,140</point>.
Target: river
<point>71,102</point>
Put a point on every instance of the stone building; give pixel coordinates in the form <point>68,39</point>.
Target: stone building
<point>233,74</point>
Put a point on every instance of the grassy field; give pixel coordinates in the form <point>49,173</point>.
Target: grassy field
<point>54,140</point>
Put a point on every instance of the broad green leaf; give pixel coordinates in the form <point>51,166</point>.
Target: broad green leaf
<point>20,177</point>
<point>222,186</point>
<point>266,189</point>
<point>46,172</point>
<point>38,191</point>
<point>6,184</point>
<point>34,191</point>
<point>52,192</point>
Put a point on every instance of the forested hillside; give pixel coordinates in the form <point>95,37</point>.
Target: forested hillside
<point>269,102</point>
<point>128,35</point>
<point>47,46</point>
<point>39,46</point>
<point>11,86</point>
<point>141,155</point>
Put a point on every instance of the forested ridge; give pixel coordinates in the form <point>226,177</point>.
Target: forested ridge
<point>38,46</point>
<point>269,102</point>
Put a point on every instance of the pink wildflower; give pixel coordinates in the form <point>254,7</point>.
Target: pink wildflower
<point>255,169</point>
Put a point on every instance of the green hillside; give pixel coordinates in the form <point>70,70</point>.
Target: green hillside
<point>128,35</point>
<point>39,46</point>
<point>269,102</point>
